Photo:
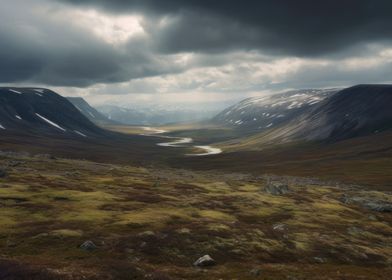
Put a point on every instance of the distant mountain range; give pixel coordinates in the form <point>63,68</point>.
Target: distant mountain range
<point>42,111</point>
<point>153,116</point>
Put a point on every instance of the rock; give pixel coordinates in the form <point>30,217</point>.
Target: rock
<point>371,204</point>
<point>3,173</point>
<point>379,206</point>
<point>88,246</point>
<point>276,188</point>
<point>205,260</point>
<point>279,227</point>
<point>372,218</point>
<point>354,231</point>
<point>255,272</point>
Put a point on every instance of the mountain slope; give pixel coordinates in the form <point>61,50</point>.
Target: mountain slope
<point>42,111</point>
<point>258,114</point>
<point>91,113</point>
<point>361,110</point>
<point>356,111</point>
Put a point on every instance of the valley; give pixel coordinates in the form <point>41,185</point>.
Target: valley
<point>136,202</point>
<point>195,140</point>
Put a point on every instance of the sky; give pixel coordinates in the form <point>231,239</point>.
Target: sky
<point>192,53</point>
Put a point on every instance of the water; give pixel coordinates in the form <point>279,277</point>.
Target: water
<point>179,142</point>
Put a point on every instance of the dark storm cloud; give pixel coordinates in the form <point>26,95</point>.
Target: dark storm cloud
<point>301,27</point>
<point>36,48</point>
<point>40,42</point>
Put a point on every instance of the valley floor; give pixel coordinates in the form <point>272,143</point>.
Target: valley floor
<point>151,223</point>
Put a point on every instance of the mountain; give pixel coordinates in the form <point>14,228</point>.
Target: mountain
<point>153,116</point>
<point>123,115</point>
<point>356,111</point>
<point>258,114</point>
<point>362,110</point>
<point>90,112</point>
<point>42,111</point>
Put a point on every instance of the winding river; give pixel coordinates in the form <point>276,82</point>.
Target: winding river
<point>178,142</point>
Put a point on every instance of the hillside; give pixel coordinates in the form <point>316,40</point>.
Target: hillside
<point>90,112</point>
<point>356,111</point>
<point>258,114</point>
<point>42,112</point>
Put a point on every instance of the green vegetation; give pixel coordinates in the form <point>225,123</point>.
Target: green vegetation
<point>153,223</point>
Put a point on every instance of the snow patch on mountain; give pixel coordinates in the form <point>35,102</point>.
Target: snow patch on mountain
<point>50,122</point>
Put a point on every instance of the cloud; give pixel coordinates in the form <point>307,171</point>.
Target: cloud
<point>175,47</point>
<point>302,27</point>
<point>41,45</point>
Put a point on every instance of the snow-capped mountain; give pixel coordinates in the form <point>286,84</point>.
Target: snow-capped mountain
<point>42,112</point>
<point>356,111</point>
<point>90,112</point>
<point>260,113</point>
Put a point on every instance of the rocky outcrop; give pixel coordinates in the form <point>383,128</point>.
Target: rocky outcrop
<point>369,203</point>
<point>204,261</point>
<point>276,188</point>
<point>88,246</point>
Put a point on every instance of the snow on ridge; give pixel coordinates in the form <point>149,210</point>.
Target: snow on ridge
<point>18,117</point>
<point>39,92</point>
<point>91,114</point>
<point>2,127</point>
<point>81,134</point>
<point>50,122</point>
<point>15,91</point>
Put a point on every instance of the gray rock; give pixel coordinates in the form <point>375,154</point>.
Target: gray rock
<point>379,206</point>
<point>205,260</point>
<point>279,227</point>
<point>276,188</point>
<point>88,246</point>
<point>369,203</point>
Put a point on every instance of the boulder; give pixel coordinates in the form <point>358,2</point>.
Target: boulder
<point>276,188</point>
<point>205,260</point>
<point>88,246</point>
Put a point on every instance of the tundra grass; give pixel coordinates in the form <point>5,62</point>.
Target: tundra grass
<point>150,223</point>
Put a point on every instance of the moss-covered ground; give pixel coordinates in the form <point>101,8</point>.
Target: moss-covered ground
<point>151,223</point>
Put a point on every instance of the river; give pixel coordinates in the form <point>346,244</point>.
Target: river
<point>180,142</point>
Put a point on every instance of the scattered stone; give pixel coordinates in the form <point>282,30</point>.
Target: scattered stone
<point>279,227</point>
<point>88,246</point>
<point>371,204</point>
<point>276,188</point>
<point>319,260</point>
<point>255,272</point>
<point>205,260</point>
